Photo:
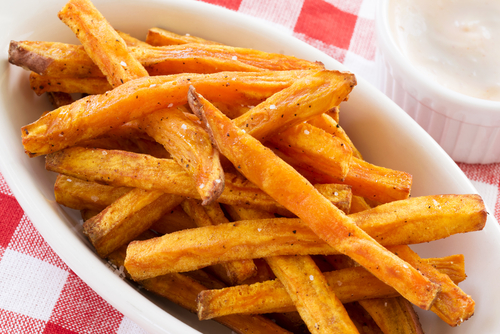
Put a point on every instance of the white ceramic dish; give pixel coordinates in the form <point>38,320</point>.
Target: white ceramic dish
<point>467,128</point>
<point>383,132</point>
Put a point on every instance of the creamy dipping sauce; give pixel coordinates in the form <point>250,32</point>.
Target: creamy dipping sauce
<point>457,42</point>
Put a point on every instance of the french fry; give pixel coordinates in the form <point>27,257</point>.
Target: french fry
<point>66,60</point>
<point>204,58</point>
<point>126,218</point>
<point>304,99</point>
<point>103,44</point>
<point>46,84</point>
<point>316,303</point>
<point>162,37</point>
<point>194,249</point>
<point>119,168</point>
<point>349,285</point>
<point>94,115</point>
<point>441,214</point>
<point>293,191</point>
<point>452,305</point>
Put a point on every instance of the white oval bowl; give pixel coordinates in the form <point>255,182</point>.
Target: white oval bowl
<point>468,128</point>
<point>385,134</point>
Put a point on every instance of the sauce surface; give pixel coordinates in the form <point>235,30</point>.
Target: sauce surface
<point>457,42</point>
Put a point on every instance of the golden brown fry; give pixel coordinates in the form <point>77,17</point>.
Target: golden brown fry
<point>65,60</point>
<point>126,218</point>
<point>452,305</point>
<point>316,303</point>
<point>134,170</point>
<point>194,249</point>
<point>349,285</point>
<point>94,115</point>
<point>162,37</point>
<point>190,145</point>
<point>307,97</point>
<point>92,85</point>
<point>101,42</point>
<point>294,192</point>
<point>440,215</point>
<point>203,58</point>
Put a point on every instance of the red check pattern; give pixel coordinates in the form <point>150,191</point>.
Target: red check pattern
<point>40,294</point>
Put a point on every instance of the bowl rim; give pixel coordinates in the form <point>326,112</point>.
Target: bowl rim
<point>389,48</point>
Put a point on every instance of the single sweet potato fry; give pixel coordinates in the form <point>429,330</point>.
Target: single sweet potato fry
<point>293,191</point>
<point>442,215</point>
<point>311,294</point>
<point>94,115</point>
<point>101,42</point>
<point>349,285</point>
<point>65,60</point>
<point>452,305</point>
<point>197,248</point>
<point>91,85</point>
<point>307,97</point>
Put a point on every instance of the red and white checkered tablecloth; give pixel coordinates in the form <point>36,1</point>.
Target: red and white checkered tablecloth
<point>39,293</point>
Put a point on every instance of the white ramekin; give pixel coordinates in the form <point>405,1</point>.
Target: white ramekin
<point>467,128</point>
